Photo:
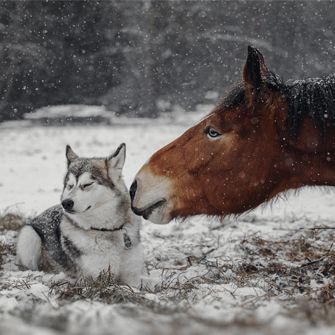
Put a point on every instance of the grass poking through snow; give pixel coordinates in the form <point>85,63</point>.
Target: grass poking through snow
<point>296,270</point>
<point>11,222</point>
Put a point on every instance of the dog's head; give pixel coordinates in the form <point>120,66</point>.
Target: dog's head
<point>94,188</point>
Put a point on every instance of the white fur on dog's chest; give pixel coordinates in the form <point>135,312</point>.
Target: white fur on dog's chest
<point>98,250</point>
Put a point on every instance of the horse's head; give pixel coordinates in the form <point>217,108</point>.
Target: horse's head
<point>227,163</point>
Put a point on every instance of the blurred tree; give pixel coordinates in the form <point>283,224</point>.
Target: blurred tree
<point>144,57</point>
<point>56,52</point>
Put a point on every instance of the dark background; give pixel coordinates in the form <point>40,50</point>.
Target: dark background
<point>147,57</point>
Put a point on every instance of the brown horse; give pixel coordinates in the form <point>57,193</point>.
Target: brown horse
<point>266,137</point>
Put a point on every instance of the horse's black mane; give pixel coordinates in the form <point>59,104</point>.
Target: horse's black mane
<point>314,98</point>
<point>311,97</point>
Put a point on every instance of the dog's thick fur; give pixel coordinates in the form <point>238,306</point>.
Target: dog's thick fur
<point>93,230</point>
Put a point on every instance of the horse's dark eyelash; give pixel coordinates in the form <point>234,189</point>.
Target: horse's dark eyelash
<point>206,130</point>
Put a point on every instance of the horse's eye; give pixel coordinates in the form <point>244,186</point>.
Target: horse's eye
<point>87,185</point>
<point>212,133</point>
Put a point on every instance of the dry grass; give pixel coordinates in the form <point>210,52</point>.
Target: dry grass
<point>297,269</point>
<point>11,222</point>
<point>5,250</point>
<point>104,289</point>
<point>300,268</point>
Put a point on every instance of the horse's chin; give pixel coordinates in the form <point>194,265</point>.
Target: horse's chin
<point>160,215</point>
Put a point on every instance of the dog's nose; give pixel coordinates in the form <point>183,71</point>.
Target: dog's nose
<point>132,190</point>
<point>67,204</point>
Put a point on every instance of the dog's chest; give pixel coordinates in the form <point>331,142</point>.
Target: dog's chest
<point>97,248</point>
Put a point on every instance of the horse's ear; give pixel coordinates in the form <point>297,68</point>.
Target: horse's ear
<point>254,69</point>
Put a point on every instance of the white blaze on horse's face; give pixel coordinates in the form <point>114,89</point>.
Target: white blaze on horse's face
<point>151,196</point>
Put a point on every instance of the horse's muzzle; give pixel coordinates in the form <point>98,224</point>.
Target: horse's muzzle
<point>150,196</point>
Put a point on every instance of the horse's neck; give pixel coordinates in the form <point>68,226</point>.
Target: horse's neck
<point>308,169</point>
<point>300,169</point>
<point>312,140</point>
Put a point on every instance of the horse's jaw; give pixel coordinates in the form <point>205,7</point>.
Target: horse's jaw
<point>160,215</point>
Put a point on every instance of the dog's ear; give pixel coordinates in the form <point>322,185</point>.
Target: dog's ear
<point>70,155</point>
<point>115,162</point>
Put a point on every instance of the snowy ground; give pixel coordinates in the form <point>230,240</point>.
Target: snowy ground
<point>267,272</point>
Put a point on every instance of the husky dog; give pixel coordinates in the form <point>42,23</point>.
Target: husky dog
<point>93,229</point>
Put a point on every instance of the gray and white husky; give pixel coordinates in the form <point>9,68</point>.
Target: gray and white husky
<point>93,229</point>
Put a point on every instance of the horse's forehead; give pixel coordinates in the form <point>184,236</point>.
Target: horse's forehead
<point>214,118</point>
<point>197,129</point>
<point>195,132</point>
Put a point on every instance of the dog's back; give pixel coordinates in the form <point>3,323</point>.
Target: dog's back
<point>39,242</point>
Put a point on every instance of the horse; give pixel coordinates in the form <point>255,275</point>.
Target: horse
<point>266,137</point>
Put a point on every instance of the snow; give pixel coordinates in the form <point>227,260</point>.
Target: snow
<point>67,111</point>
<point>192,262</point>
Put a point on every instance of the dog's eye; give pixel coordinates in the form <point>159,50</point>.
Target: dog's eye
<point>69,186</point>
<point>212,133</point>
<point>87,185</point>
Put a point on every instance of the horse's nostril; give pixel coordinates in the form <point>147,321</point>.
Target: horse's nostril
<point>132,190</point>
<point>67,204</point>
